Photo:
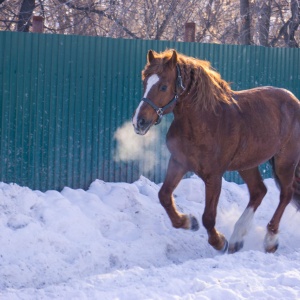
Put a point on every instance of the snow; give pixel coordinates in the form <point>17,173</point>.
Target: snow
<point>115,241</point>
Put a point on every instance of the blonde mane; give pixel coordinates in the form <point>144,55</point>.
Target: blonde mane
<point>204,86</point>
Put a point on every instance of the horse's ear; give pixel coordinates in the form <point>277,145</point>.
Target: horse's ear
<point>173,60</point>
<point>150,56</point>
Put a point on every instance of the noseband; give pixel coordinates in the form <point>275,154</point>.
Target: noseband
<point>160,110</point>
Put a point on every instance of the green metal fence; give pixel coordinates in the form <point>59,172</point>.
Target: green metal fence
<point>62,99</point>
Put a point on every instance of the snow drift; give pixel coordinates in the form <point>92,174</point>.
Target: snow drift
<point>115,241</point>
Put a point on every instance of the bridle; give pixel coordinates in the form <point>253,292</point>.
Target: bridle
<point>160,110</point>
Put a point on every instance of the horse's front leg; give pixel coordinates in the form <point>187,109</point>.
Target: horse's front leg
<point>175,173</point>
<point>212,193</point>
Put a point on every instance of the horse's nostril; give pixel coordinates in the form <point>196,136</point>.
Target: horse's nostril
<point>141,122</point>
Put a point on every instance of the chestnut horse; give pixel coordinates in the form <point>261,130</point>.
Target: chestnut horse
<point>216,129</point>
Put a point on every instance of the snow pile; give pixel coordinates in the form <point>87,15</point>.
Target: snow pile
<point>115,241</point>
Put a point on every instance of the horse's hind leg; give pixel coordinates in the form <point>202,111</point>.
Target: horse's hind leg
<point>212,193</point>
<point>174,174</point>
<point>285,176</point>
<point>257,191</point>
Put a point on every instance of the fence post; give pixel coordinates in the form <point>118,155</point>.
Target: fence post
<point>189,32</point>
<point>37,24</point>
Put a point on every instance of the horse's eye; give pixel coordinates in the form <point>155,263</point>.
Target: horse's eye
<point>163,88</point>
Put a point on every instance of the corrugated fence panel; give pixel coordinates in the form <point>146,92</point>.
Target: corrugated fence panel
<point>62,99</point>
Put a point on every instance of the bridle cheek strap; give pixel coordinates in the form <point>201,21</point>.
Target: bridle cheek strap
<point>160,110</point>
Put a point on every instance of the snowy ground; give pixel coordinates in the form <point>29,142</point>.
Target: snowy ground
<point>115,241</point>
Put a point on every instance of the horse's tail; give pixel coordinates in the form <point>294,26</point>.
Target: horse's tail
<point>296,184</point>
<point>296,198</point>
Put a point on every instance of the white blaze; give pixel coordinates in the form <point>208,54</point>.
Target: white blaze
<point>152,80</point>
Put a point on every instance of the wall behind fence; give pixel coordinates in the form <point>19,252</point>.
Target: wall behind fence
<point>63,98</point>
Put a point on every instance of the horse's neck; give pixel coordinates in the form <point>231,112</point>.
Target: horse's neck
<point>189,113</point>
<point>185,109</point>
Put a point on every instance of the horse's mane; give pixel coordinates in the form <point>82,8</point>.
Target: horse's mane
<point>203,84</point>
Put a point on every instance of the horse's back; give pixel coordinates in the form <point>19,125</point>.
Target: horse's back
<point>273,104</point>
<point>269,120</point>
<point>267,94</point>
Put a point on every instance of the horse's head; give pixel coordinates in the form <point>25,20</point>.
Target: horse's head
<point>159,79</point>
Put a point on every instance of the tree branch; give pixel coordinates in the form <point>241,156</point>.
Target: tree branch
<point>100,13</point>
<point>165,22</point>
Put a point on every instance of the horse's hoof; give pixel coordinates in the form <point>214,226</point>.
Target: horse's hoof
<point>225,247</point>
<point>237,246</point>
<point>271,243</point>
<point>272,249</point>
<point>194,225</point>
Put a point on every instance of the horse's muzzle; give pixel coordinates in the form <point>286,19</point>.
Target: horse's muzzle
<point>142,126</point>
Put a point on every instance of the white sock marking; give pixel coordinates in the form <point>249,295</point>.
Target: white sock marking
<point>270,240</point>
<point>242,225</point>
<point>152,80</point>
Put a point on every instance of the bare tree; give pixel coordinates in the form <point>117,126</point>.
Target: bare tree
<point>288,30</point>
<point>245,36</point>
<point>25,15</point>
<point>264,22</point>
<point>293,24</point>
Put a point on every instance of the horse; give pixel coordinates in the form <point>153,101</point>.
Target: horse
<point>216,129</point>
